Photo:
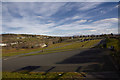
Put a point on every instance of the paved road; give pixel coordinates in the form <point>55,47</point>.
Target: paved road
<point>94,61</point>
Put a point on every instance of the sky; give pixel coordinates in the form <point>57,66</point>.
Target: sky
<point>60,0</point>
<point>60,18</point>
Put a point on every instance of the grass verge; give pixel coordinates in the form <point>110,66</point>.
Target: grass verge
<point>43,75</point>
<point>116,52</point>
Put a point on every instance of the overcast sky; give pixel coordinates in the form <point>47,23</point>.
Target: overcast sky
<point>60,18</point>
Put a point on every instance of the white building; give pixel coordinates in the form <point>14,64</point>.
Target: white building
<point>14,43</point>
<point>43,45</point>
<point>20,37</point>
<point>3,44</point>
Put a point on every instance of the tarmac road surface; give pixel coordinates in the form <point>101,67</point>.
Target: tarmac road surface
<point>96,62</point>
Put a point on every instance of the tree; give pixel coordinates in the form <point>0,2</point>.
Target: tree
<point>60,39</point>
<point>111,34</point>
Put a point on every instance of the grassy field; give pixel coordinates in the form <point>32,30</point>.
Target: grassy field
<point>72,46</point>
<point>43,75</point>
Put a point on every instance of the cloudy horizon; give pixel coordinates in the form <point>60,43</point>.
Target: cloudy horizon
<point>60,18</point>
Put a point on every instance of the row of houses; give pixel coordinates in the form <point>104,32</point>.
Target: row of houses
<point>38,37</point>
<point>15,43</point>
<point>5,44</point>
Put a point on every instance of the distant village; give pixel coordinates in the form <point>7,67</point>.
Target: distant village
<point>34,41</point>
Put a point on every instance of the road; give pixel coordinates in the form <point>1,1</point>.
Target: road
<point>94,61</point>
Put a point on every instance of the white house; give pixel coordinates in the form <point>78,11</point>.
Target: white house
<point>14,43</point>
<point>20,37</point>
<point>43,45</point>
<point>3,44</point>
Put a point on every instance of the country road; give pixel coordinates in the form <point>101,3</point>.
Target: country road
<point>93,61</point>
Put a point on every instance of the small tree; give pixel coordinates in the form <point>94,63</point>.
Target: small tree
<point>60,39</point>
<point>111,34</point>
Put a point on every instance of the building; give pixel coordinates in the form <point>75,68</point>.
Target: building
<point>43,45</point>
<point>3,44</point>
